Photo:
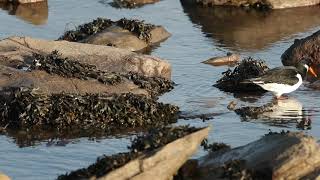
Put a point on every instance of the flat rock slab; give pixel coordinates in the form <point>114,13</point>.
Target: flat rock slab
<point>308,47</point>
<point>273,4</point>
<point>17,49</point>
<point>163,163</point>
<point>286,155</point>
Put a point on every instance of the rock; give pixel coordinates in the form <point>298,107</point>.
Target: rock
<point>225,60</point>
<point>4,177</point>
<point>21,1</point>
<point>277,155</point>
<point>133,35</point>
<point>132,3</point>
<point>251,30</point>
<point>14,50</point>
<point>237,80</point>
<point>35,13</point>
<point>314,85</point>
<point>308,47</point>
<point>272,4</point>
<point>163,163</point>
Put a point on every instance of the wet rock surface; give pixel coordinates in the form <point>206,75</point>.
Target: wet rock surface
<point>257,4</point>
<point>282,155</point>
<point>131,3</point>
<point>235,81</point>
<point>142,144</point>
<point>125,33</point>
<point>308,47</point>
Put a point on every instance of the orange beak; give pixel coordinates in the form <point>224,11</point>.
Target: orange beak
<point>312,72</point>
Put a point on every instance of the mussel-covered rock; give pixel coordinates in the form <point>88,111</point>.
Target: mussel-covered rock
<point>153,139</point>
<point>91,114</point>
<point>132,34</point>
<point>235,81</point>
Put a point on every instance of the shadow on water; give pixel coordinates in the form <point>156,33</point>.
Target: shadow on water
<point>251,30</point>
<point>281,113</point>
<point>34,13</point>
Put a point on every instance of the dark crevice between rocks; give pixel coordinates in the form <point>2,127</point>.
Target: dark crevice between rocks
<point>236,81</point>
<point>54,63</point>
<point>90,115</point>
<point>142,144</point>
<point>139,28</point>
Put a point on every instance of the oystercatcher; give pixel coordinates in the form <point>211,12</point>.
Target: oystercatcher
<point>282,80</point>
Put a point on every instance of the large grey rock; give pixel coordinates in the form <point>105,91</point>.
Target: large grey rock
<point>274,4</point>
<point>163,163</point>
<point>308,47</point>
<point>286,156</point>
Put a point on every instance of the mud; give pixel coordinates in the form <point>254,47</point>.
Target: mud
<point>139,28</point>
<point>153,139</point>
<point>89,115</point>
<point>236,80</point>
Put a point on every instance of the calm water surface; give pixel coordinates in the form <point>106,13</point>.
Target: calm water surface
<point>197,34</point>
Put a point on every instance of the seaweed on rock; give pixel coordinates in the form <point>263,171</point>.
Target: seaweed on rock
<point>153,139</point>
<point>87,29</point>
<point>92,114</point>
<point>141,29</point>
<point>234,81</point>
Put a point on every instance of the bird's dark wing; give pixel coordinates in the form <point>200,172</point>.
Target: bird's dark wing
<point>280,75</point>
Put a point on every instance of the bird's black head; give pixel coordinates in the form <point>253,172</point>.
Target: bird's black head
<point>304,66</point>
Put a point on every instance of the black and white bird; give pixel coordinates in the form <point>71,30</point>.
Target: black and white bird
<point>283,80</point>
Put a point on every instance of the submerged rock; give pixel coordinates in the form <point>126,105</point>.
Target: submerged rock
<point>235,81</point>
<point>308,47</point>
<point>225,60</point>
<point>258,4</point>
<point>132,3</point>
<point>274,156</point>
<point>125,33</point>
<point>149,151</point>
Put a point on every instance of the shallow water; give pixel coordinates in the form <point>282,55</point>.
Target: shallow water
<point>197,34</point>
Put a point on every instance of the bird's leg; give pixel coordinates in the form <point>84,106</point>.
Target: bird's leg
<point>281,97</point>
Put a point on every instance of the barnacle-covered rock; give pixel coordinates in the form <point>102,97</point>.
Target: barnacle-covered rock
<point>235,81</point>
<point>141,145</point>
<point>132,34</point>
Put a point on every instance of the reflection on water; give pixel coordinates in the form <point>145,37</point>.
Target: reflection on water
<point>281,113</point>
<point>250,30</point>
<point>35,13</point>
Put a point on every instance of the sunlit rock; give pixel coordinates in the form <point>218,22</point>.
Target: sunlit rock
<point>224,60</point>
<point>276,155</point>
<point>308,47</point>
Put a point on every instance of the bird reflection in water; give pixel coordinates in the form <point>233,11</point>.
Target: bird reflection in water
<point>281,113</point>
